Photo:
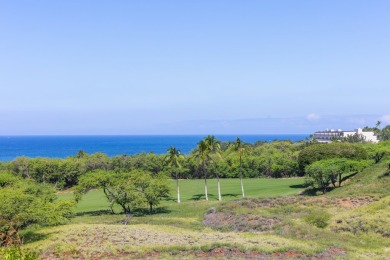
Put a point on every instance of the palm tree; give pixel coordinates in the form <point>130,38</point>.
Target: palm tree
<point>238,146</point>
<point>202,154</point>
<point>173,159</point>
<point>214,146</point>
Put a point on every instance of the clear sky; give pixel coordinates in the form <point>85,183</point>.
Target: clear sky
<point>193,67</point>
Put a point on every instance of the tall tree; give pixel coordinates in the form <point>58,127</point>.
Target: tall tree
<point>238,146</point>
<point>202,154</point>
<point>173,159</point>
<point>214,147</point>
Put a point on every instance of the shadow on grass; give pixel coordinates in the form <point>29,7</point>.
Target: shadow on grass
<point>202,196</point>
<point>31,236</point>
<point>145,212</point>
<point>138,212</point>
<point>347,177</point>
<point>231,195</point>
<point>384,175</point>
<point>299,186</point>
<point>171,199</point>
<point>317,191</point>
<point>311,192</point>
<point>96,213</point>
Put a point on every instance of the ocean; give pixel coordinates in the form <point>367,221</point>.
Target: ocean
<point>64,146</point>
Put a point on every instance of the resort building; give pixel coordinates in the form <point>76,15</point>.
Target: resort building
<point>329,135</point>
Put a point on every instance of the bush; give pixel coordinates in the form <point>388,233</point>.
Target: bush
<point>318,218</point>
<point>16,253</point>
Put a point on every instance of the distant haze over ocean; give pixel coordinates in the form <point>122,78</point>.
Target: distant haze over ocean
<point>64,146</point>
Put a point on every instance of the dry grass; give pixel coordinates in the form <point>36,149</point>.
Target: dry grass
<point>100,240</point>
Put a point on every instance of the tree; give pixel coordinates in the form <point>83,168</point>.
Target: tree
<point>25,202</point>
<point>378,151</point>
<point>202,155</point>
<point>214,147</point>
<point>152,188</point>
<point>21,166</point>
<point>385,133</point>
<point>128,190</point>
<point>320,151</point>
<point>117,188</point>
<point>96,180</point>
<point>173,159</point>
<point>321,173</point>
<point>238,146</point>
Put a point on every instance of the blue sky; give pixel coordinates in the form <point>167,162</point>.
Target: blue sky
<point>193,67</point>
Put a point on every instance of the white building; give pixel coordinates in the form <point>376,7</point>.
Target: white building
<point>329,134</point>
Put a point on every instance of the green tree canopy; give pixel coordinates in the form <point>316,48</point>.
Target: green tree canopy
<point>24,202</point>
<point>321,173</point>
<point>129,190</point>
<point>318,152</point>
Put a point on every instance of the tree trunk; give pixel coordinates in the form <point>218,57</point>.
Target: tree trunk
<point>178,189</point>
<point>339,179</point>
<point>334,180</point>
<point>112,202</point>
<point>205,182</point>
<point>150,208</point>
<point>242,185</point>
<point>127,220</point>
<point>219,188</point>
<point>124,209</point>
<point>112,206</point>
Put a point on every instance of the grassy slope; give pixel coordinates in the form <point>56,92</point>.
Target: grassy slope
<point>371,182</point>
<point>179,228</point>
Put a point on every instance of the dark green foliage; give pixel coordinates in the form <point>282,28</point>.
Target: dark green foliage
<point>318,152</point>
<point>62,173</point>
<point>144,161</point>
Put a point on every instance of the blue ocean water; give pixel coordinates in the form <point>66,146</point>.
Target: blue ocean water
<point>64,146</point>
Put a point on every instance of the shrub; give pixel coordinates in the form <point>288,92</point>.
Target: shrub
<point>318,218</point>
<point>16,253</point>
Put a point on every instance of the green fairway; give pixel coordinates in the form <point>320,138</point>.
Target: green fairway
<point>193,190</point>
<point>230,188</point>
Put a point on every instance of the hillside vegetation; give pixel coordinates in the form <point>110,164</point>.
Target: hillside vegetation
<point>278,218</point>
<point>344,223</point>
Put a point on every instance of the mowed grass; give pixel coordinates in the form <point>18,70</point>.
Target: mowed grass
<point>193,190</point>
